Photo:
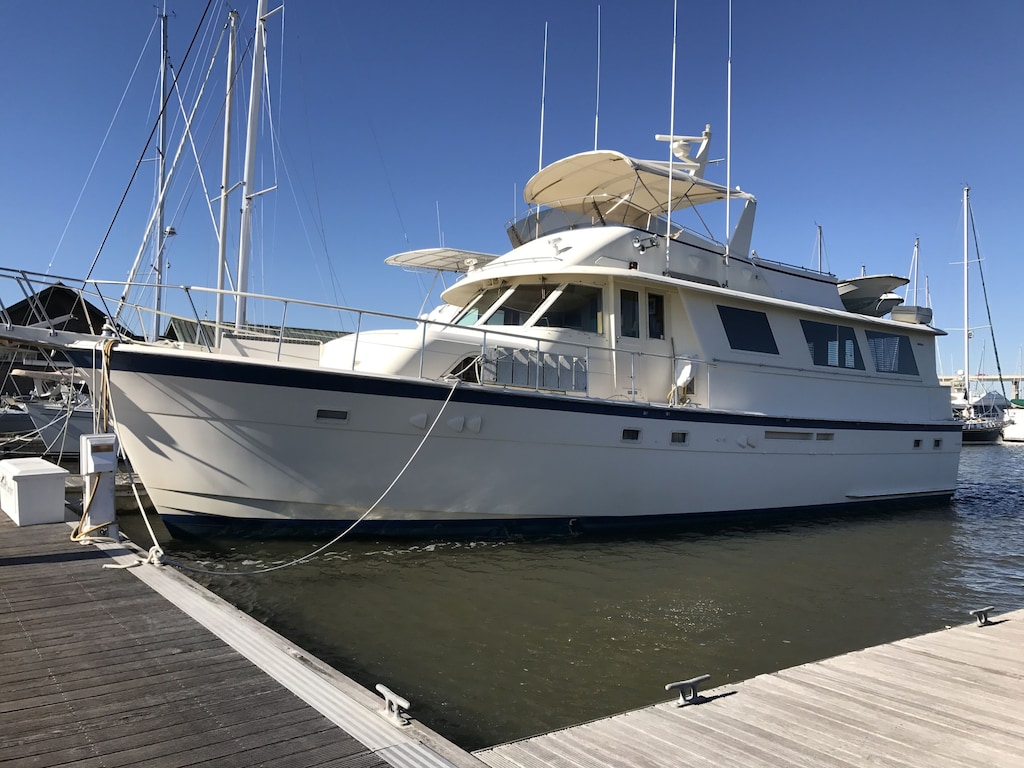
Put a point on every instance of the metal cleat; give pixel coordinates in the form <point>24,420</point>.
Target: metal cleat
<point>394,705</point>
<point>981,614</point>
<point>688,689</point>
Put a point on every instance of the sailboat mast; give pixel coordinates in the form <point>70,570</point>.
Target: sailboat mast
<point>225,177</point>
<point>161,175</point>
<point>255,89</point>
<point>967,326</point>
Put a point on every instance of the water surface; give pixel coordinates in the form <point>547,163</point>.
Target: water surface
<point>496,641</point>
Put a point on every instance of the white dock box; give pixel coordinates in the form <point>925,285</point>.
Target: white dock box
<point>32,491</point>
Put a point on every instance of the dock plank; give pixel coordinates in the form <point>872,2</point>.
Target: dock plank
<point>101,670</point>
<point>949,698</point>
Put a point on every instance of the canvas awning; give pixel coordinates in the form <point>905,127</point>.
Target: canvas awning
<point>602,182</point>
<point>442,259</point>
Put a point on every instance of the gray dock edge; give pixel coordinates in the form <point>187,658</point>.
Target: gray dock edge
<point>341,700</point>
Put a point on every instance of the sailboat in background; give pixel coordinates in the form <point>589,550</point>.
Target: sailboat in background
<point>979,426</point>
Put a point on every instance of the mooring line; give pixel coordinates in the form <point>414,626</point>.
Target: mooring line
<point>156,554</point>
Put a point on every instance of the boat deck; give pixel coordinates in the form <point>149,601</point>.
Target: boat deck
<point>99,669</point>
<point>950,698</point>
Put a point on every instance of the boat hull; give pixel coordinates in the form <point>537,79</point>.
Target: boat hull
<point>59,428</point>
<point>308,452</point>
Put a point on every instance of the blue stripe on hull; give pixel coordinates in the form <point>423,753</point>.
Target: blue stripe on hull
<point>123,358</point>
<point>208,526</point>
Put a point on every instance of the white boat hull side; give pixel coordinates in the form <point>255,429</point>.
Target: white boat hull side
<point>495,460</point>
<point>1013,426</point>
<point>59,430</point>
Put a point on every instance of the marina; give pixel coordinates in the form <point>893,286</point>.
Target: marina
<point>634,485</point>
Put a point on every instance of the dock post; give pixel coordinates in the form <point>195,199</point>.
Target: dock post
<point>99,468</point>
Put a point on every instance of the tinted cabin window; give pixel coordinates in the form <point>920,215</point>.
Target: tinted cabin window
<point>655,316</point>
<point>577,307</point>
<point>520,306</point>
<point>630,314</point>
<point>891,353</point>
<point>479,306</point>
<point>831,345</point>
<point>748,330</point>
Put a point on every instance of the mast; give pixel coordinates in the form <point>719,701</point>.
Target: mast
<point>161,175</point>
<point>255,89</point>
<point>597,101</point>
<point>543,93</point>
<point>672,136</point>
<point>913,268</point>
<point>819,249</point>
<point>967,326</point>
<point>728,149</point>
<point>225,178</point>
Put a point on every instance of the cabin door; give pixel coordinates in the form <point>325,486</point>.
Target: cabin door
<point>641,351</point>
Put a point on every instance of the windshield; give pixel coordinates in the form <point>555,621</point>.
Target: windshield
<point>520,305</point>
<point>479,306</point>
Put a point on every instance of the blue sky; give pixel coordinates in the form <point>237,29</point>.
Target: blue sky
<point>402,124</point>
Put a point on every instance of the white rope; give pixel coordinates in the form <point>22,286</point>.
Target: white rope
<point>156,555</point>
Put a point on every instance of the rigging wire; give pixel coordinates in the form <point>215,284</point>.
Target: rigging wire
<point>984,293</point>
<point>103,143</point>
<point>142,157</point>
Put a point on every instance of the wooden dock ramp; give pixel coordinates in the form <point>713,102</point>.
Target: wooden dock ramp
<point>950,698</point>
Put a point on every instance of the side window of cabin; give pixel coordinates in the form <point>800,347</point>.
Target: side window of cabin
<point>831,345</point>
<point>655,316</point>
<point>629,314</point>
<point>891,352</point>
<point>577,307</point>
<point>747,330</point>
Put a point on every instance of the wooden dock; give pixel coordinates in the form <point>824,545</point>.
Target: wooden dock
<point>141,666</point>
<point>951,698</point>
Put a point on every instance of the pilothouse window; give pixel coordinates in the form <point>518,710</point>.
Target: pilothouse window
<point>478,307</point>
<point>577,307</point>
<point>520,305</point>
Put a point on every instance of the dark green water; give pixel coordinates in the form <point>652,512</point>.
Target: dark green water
<point>496,641</point>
